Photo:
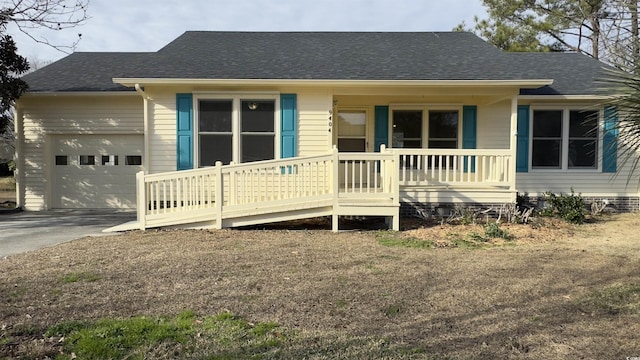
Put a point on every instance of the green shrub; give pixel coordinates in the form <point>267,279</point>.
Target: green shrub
<point>493,230</point>
<point>569,207</point>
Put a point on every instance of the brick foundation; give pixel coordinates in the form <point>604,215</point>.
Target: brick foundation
<point>438,210</point>
<point>614,204</point>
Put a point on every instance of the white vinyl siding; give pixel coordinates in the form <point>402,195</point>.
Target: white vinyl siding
<point>314,137</point>
<point>494,122</point>
<point>162,132</point>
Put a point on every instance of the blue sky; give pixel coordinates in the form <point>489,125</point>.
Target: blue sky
<point>147,25</point>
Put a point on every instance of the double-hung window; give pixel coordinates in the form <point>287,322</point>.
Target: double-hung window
<point>547,139</point>
<point>215,131</point>
<point>443,129</point>
<point>583,139</point>
<point>257,130</point>
<point>237,128</point>
<point>564,139</point>
<point>352,130</point>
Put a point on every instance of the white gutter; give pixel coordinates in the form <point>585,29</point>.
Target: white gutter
<point>533,83</point>
<point>18,157</point>
<point>79,93</point>
<point>140,91</point>
<point>564,97</point>
<point>147,144</point>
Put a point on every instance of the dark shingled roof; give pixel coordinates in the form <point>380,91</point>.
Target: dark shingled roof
<point>573,73</point>
<point>86,72</point>
<point>320,55</point>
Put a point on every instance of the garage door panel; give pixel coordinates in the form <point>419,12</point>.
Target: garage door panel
<point>95,186</point>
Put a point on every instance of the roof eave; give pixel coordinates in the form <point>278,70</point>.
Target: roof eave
<point>564,97</point>
<point>126,92</point>
<point>523,83</point>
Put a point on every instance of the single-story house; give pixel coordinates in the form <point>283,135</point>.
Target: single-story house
<point>229,123</point>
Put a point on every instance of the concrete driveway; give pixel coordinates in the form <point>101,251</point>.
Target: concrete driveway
<point>26,231</point>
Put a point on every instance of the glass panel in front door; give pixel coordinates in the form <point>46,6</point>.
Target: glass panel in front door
<point>407,129</point>
<point>407,133</point>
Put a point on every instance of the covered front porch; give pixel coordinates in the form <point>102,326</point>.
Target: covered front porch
<point>349,151</point>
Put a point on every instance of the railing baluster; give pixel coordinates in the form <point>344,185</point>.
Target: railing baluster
<point>454,167</point>
<point>404,167</point>
<point>164,196</point>
<point>375,175</point>
<point>476,167</point>
<point>483,178</point>
<point>368,172</point>
<point>411,165</point>
<point>432,164</point>
<point>352,167</point>
<point>275,173</point>
<point>361,178</point>
<point>425,166</point>
<point>495,170</point>
<point>447,167</point>
<point>157,199</point>
<point>346,179</point>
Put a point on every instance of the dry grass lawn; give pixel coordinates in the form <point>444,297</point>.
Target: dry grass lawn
<point>556,292</point>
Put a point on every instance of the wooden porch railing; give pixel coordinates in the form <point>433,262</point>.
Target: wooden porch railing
<point>235,190</point>
<point>454,167</point>
<point>348,183</point>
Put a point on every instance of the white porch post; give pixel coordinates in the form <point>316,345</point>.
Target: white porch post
<point>513,146</point>
<point>218,195</point>
<point>142,200</point>
<point>393,167</point>
<point>335,187</point>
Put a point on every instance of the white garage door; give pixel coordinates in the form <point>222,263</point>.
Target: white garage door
<point>95,171</point>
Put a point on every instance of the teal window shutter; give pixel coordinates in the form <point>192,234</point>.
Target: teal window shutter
<point>184,109</point>
<point>522,144</point>
<point>469,132</point>
<point>469,126</point>
<point>610,140</point>
<point>381,127</point>
<point>288,125</point>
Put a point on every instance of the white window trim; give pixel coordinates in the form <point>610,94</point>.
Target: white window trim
<point>236,98</point>
<point>564,159</point>
<point>425,120</point>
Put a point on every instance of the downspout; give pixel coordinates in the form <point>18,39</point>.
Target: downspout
<point>513,146</point>
<point>18,158</point>
<point>147,143</point>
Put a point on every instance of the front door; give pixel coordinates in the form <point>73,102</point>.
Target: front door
<point>424,129</point>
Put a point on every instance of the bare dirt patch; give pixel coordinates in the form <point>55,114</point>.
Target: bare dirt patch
<point>346,294</point>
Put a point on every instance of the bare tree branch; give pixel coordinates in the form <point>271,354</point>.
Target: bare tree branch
<point>55,15</point>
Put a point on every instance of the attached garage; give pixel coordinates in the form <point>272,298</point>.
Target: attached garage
<point>95,171</point>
